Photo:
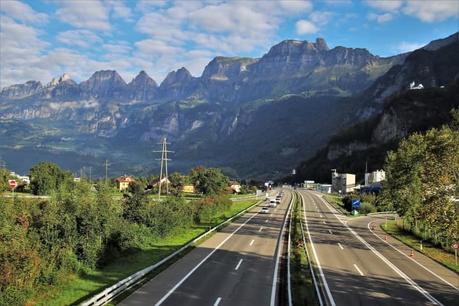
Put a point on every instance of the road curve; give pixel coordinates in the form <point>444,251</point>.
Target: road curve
<point>355,271</point>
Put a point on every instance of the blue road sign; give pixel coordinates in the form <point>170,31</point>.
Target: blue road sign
<point>355,203</point>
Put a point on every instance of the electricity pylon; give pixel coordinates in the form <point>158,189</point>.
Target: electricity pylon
<point>163,173</point>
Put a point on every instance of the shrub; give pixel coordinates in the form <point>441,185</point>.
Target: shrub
<point>366,208</point>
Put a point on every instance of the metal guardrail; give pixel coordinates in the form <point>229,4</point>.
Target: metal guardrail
<point>113,291</point>
<point>320,295</point>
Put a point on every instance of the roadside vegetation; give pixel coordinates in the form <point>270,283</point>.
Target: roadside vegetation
<point>303,292</point>
<point>395,229</point>
<point>422,185</point>
<point>86,236</point>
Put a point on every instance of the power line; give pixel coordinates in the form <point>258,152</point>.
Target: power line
<point>163,172</point>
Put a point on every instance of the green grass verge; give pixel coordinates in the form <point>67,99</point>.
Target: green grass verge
<point>80,287</point>
<point>441,256</point>
<point>302,287</point>
<point>337,203</point>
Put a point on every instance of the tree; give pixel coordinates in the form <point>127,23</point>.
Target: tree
<point>4,177</point>
<point>46,177</point>
<point>177,182</point>
<point>208,181</point>
<point>422,178</point>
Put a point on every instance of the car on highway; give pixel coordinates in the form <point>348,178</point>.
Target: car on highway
<point>264,210</point>
<point>272,203</point>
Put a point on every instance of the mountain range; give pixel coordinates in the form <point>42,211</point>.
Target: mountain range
<point>254,117</point>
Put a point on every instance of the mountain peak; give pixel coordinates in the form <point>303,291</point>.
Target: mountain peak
<point>295,47</point>
<point>177,76</point>
<point>142,76</point>
<point>56,81</point>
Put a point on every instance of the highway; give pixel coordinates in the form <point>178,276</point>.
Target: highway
<point>355,266</point>
<point>235,266</point>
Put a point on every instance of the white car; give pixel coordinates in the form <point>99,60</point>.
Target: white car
<point>264,210</point>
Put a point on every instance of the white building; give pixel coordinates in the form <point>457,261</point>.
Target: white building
<point>413,86</point>
<point>308,184</point>
<point>23,178</point>
<point>375,177</point>
<point>342,182</point>
<point>324,188</point>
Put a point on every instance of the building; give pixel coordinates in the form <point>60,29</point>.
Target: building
<point>375,177</point>
<point>308,184</point>
<point>235,187</point>
<point>188,188</point>
<point>23,178</point>
<point>324,188</point>
<point>123,182</point>
<point>342,182</point>
<point>413,86</point>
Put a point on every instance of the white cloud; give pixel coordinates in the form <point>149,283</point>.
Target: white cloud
<point>320,18</point>
<point>385,5</point>
<point>85,14</point>
<point>432,11</point>
<point>380,18</point>
<point>22,12</point>
<point>409,46</point>
<point>80,38</point>
<point>306,27</point>
<point>119,9</point>
<point>296,5</point>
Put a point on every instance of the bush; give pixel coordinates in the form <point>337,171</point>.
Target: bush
<point>366,208</point>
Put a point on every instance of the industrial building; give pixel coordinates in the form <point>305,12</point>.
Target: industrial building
<point>342,182</point>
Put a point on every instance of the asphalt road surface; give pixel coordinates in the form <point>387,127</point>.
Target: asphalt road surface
<point>356,266</point>
<point>233,267</point>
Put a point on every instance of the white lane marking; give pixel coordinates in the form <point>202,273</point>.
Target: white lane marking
<point>384,259</point>
<point>321,272</point>
<point>202,261</point>
<point>331,233</point>
<point>276,265</point>
<point>358,270</point>
<point>261,228</point>
<point>217,301</point>
<point>425,268</point>
<point>340,246</point>
<point>251,242</point>
<point>309,261</point>
<point>238,264</point>
<point>289,242</point>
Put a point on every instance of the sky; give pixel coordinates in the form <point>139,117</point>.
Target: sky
<point>42,39</point>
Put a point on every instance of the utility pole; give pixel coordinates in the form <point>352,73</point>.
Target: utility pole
<point>163,172</point>
<point>106,170</point>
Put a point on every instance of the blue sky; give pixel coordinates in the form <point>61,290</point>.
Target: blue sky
<point>40,40</point>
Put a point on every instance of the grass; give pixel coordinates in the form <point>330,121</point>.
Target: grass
<point>429,249</point>
<point>335,200</point>
<point>302,287</point>
<point>80,287</point>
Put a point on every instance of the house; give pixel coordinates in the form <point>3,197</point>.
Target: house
<point>156,182</point>
<point>235,187</point>
<point>342,182</point>
<point>188,188</point>
<point>123,182</point>
<point>413,86</point>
